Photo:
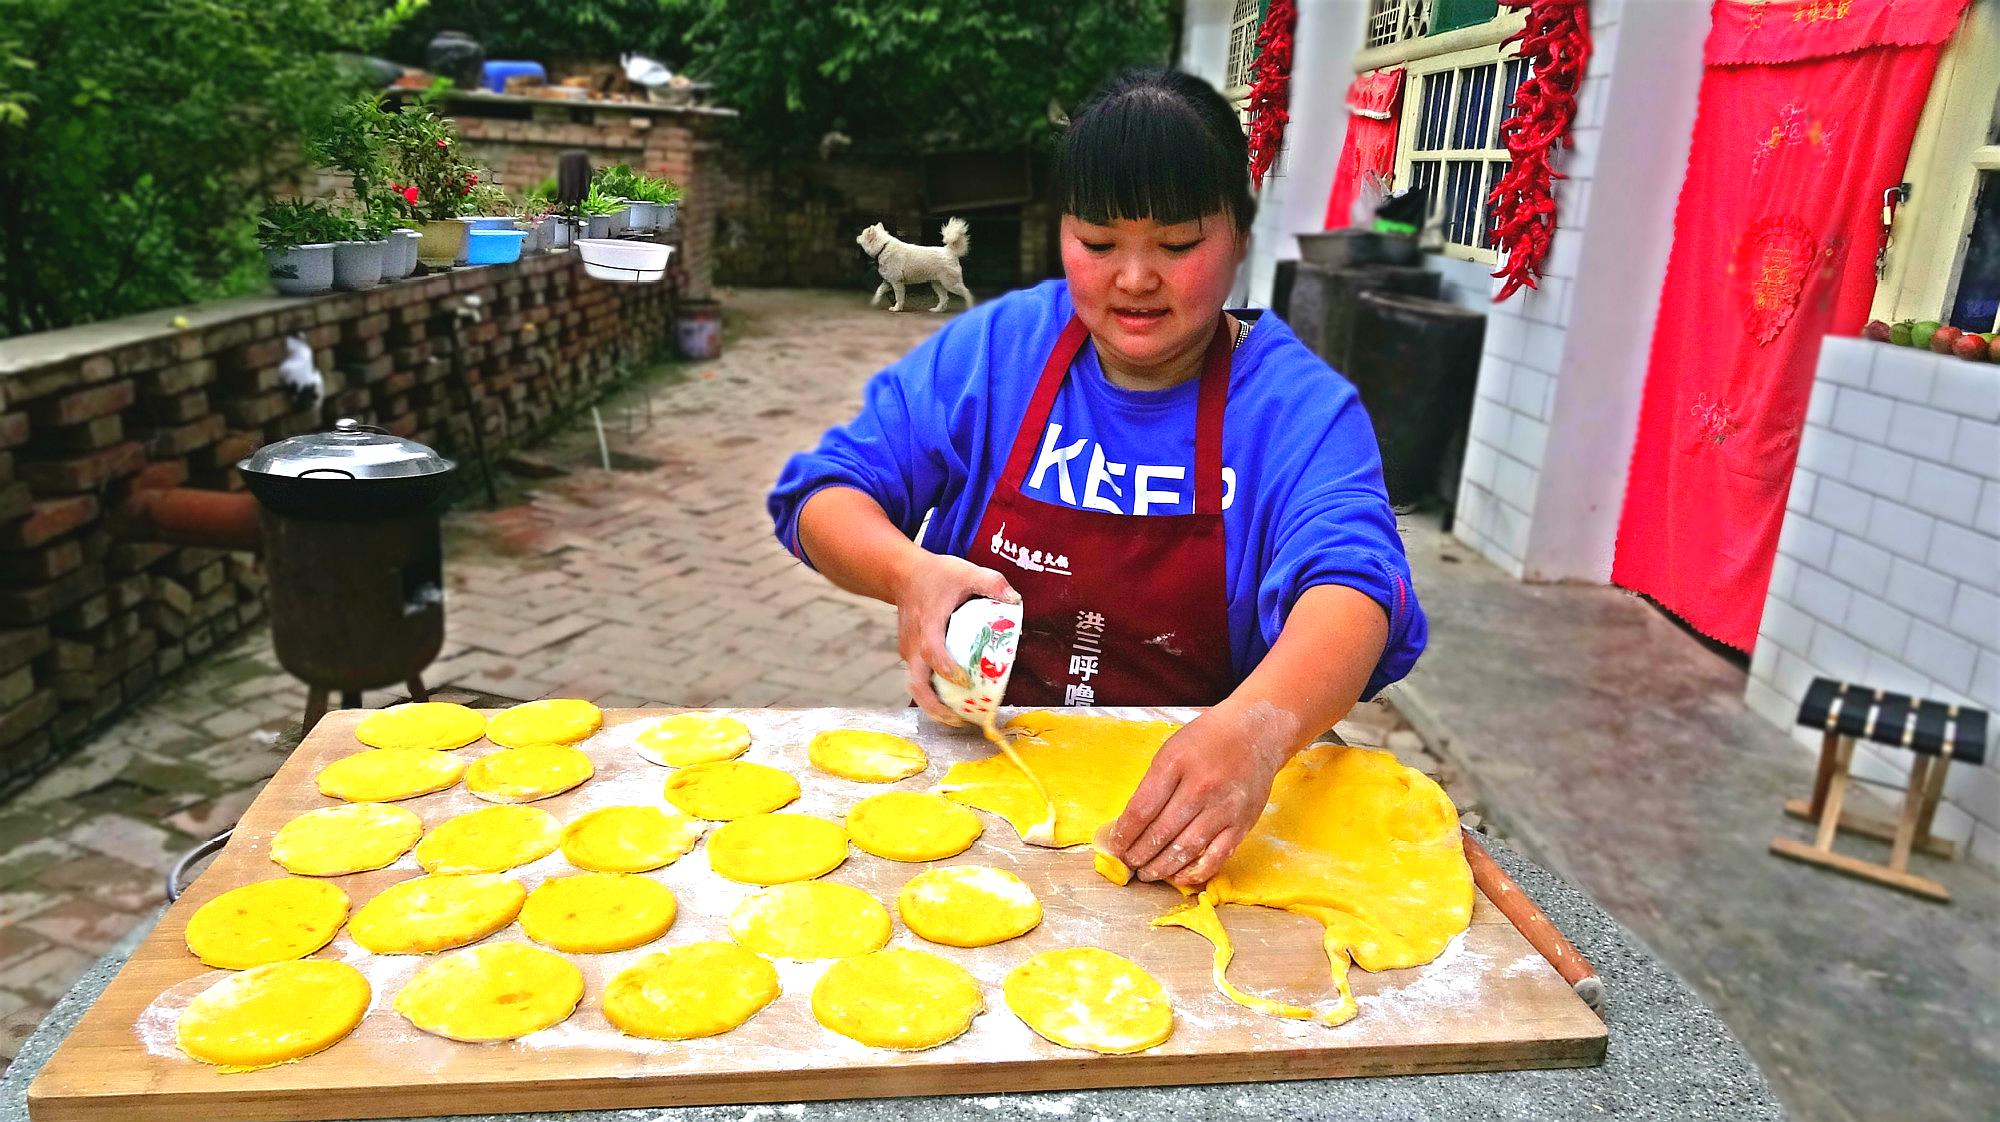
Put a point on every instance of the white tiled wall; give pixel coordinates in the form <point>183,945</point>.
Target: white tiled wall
<point>1888,567</point>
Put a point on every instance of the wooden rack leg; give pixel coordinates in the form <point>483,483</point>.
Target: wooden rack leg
<point>1932,794</point>
<point>1829,751</point>
<point>1913,807</point>
<point>1836,793</point>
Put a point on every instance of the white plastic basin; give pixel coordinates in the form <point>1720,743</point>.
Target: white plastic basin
<point>627,261</point>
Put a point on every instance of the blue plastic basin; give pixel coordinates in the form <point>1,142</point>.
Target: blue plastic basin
<point>494,247</point>
<point>498,222</point>
<point>496,72</point>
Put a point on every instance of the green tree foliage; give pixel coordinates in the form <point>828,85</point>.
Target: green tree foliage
<point>138,142</point>
<point>554,31</point>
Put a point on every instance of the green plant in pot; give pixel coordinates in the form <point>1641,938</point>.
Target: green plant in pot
<point>298,238</point>
<point>435,180</point>
<point>599,211</point>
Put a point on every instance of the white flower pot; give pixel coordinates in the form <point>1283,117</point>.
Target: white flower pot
<point>627,261</point>
<point>670,216</point>
<point>399,260</point>
<point>645,216</point>
<point>560,233</point>
<point>302,270</point>
<point>357,265</point>
<point>597,226</point>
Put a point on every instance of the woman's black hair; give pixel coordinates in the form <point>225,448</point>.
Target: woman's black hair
<point>1159,144</point>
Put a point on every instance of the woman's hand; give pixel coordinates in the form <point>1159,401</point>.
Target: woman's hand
<point>925,595</point>
<point>1204,791</point>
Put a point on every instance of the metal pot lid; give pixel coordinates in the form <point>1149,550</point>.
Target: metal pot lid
<point>351,451</point>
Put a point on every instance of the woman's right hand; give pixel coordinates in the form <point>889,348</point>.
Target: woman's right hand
<point>925,596</point>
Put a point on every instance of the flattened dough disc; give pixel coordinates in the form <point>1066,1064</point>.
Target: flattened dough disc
<point>968,906</point>
<point>555,720</point>
<point>437,725</point>
<point>595,913</point>
<point>273,1013</point>
<point>897,998</point>
<point>522,775</point>
<point>425,914</point>
<point>811,919</point>
<point>1084,997</point>
<point>386,775</point>
<point>701,989</point>
<point>870,757</point>
<point>336,840</point>
<point>269,921</point>
<point>496,992</point>
<point>629,839</point>
<point>1088,765</point>
<point>489,840</point>
<point>912,826</point>
<point>730,789</point>
<point>775,848</point>
<point>685,739</point>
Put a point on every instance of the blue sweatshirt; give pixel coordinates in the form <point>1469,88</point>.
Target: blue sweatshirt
<point>1303,500</point>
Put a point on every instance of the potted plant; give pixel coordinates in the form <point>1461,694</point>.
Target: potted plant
<point>599,210</point>
<point>358,258</point>
<point>298,239</point>
<point>434,180</point>
<point>621,183</point>
<point>664,196</point>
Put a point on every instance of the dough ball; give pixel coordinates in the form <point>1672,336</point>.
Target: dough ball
<point>436,725</point>
<point>595,913</point>
<point>269,921</point>
<point>273,1013</point>
<point>490,840</point>
<point>968,906</point>
<point>426,914</point>
<point>496,992</point>
<point>336,840</point>
<point>912,826</point>
<point>871,757</point>
<point>629,839</point>
<point>775,848</point>
<point>1084,997</point>
<point>730,789</point>
<point>701,989</point>
<point>693,738</point>
<point>522,775</point>
<point>387,775</point>
<point>811,919</point>
<point>897,998</point>
<point>552,721</point>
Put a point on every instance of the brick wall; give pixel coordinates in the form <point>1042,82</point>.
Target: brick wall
<point>1888,567</point>
<point>88,622</point>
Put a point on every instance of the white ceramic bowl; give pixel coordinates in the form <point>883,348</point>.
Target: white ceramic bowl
<point>628,261</point>
<point>982,636</point>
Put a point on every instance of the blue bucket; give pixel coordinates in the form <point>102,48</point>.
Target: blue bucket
<point>494,247</point>
<point>497,222</point>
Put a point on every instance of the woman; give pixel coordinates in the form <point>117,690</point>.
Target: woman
<point>1186,500</point>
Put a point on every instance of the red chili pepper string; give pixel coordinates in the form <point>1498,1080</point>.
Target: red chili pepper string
<point>1270,88</point>
<point>1555,41</point>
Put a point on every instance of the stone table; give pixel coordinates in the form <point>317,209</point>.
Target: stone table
<point>1668,1058</point>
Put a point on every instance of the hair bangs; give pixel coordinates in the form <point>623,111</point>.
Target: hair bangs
<point>1140,158</point>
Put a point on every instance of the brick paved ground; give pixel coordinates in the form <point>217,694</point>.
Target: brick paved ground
<point>657,585</point>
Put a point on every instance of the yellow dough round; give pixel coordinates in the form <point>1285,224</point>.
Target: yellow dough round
<point>495,992</point>
<point>595,913</point>
<point>685,739</point>
<point>776,848</point>
<point>968,906</point>
<point>436,725</point>
<point>871,757</point>
<point>273,1013</point>
<point>522,775</point>
<point>1084,997</point>
<point>730,789</point>
<point>912,826</point>
<point>556,720</point>
<point>269,921</point>
<point>386,775</point>
<point>426,914</point>
<point>629,839</point>
<point>701,989</point>
<point>897,998</point>
<point>336,840</point>
<point>489,840</point>
<point>811,919</point>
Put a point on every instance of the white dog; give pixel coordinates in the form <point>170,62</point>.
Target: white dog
<point>901,263</point>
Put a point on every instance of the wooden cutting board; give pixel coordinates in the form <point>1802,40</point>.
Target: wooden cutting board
<point>1489,1002</point>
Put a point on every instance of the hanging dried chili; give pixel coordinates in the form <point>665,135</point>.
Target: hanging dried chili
<point>1555,41</point>
<point>1270,88</point>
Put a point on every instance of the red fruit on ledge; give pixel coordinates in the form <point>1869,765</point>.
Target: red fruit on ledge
<point>1944,337</point>
<point>1876,330</point>
<point>1970,346</point>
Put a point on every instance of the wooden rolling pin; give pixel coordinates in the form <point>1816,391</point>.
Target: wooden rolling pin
<point>1527,918</point>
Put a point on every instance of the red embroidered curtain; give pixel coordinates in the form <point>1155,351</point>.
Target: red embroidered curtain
<point>1373,101</point>
<point>1806,114</point>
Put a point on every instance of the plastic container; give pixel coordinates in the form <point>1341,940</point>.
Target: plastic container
<point>494,247</point>
<point>495,73</point>
<point>698,329</point>
<point>357,265</point>
<point>981,636</point>
<point>400,259</point>
<point>490,222</point>
<point>302,270</point>
<point>629,262</point>
<point>442,243</point>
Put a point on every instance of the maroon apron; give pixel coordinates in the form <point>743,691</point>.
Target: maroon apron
<point>1119,609</point>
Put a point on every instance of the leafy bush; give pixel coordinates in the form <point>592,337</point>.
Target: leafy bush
<point>292,222</point>
<point>138,141</point>
<point>423,154</point>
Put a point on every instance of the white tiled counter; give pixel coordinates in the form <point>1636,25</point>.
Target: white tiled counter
<point>1888,568</point>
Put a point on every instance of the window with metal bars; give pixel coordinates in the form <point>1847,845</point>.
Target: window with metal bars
<point>1243,21</point>
<point>1392,21</point>
<point>1450,143</point>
